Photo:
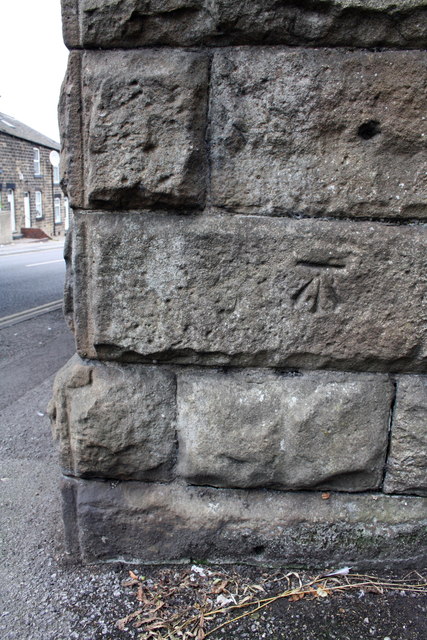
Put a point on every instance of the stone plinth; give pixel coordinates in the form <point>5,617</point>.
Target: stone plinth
<point>156,523</point>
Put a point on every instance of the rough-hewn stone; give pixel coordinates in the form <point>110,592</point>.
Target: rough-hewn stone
<point>70,21</point>
<point>156,523</point>
<point>250,291</point>
<point>69,117</point>
<point>407,463</point>
<point>247,263</point>
<point>114,421</point>
<point>251,429</point>
<point>141,116</point>
<point>132,23</point>
<point>320,132</point>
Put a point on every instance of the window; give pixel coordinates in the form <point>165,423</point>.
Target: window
<point>11,201</point>
<point>55,175</point>
<point>39,207</point>
<point>57,206</point>
<point>37,171</point>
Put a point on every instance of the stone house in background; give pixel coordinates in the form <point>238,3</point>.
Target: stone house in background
<point>31,200</point>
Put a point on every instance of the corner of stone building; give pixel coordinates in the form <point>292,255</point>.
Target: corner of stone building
<point>245,283</point>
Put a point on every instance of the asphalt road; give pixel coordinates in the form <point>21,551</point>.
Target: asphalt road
<point>29,279</point>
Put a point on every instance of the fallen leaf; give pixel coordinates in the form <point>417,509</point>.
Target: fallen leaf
<point>133,575</point>
<point>146,621</point>
<point>157,625</point>
<point>120,624</point>
<point>222,601</point>
<point>296,597</point>
<point>129,583</point>
<point>219,588</point>
<point>322,593</point>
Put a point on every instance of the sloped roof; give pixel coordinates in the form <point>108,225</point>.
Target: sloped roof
<point>20,130</point>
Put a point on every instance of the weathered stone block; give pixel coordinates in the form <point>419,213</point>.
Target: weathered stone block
<point>69,118</point>
<point>114,421</point>
<point>133,23</point>
<point>164,523</point>
<point>249,291</point>
<point>407,463</point>
<point>252,429</point>
<point>70,22</point>
<point>318,132</point>
<point>138,126</point>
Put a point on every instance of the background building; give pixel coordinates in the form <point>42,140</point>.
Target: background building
<point>31,201</point>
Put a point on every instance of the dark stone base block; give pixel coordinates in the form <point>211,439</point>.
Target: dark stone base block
<point>170,523</point>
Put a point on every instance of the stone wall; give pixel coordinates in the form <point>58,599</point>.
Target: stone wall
<point>246,281</point>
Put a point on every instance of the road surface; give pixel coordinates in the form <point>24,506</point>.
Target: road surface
<point>29,279</point>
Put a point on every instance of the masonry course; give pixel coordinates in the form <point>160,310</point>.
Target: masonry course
<point>352,23</point>
<point>220,289</point>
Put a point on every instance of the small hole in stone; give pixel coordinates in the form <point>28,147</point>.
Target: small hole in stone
<point>258,549</point>
<point>369,129</point>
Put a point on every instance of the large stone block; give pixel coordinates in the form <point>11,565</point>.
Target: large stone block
<point>249,291</point>
<point>69,118</point>
<point>154,523</point>
<point>138,128</point>
<point>114,421</point>
<point>133,23</point>
<point>251,429</point>
<point>318,132</point>
<point>407,462</point>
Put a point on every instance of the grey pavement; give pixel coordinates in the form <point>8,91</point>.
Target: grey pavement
<point>42,595</point>
<point>25,245</point>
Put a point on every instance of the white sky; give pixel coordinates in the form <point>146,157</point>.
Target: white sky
<point>33,61</point>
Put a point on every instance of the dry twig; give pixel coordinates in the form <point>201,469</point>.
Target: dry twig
<point>166,615</point>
